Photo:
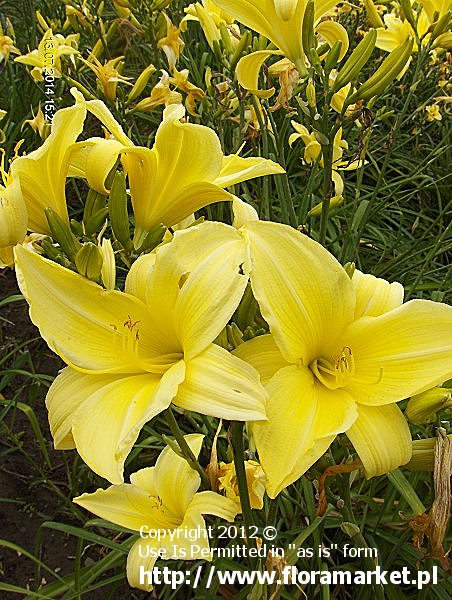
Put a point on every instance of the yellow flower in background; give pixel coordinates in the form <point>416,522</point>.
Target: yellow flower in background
<point>163,498</point>
<point>255,480</point>
<point>172,44</point>
<point>108,75</point>
<point>210,17</point>
<point>433,112</point>
<point>313,151</point>
<point>132,353</point>
<point>7,46</point>
<point>38,123</point>
<point>281,22</point>
<point>161,95</point>
<point>46,59</point>
<point>340,354</point>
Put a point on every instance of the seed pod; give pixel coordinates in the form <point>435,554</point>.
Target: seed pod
<point>383,76</point>
<point>356,60</point>
<point>61,233</point>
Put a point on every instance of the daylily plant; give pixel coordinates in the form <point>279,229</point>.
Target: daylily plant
<point>130,354</point>
<point>281,22</point>
<point>163,498</point>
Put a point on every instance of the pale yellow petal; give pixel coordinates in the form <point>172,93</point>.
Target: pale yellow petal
<point>304,293</point>
<point>143,553</point>
<point>263,354</point>
<point>13,214</point>
<point>247,72</point>
<point>221,385</point>
<point>236,169</point>
<point>400,353</point>
<point>333,32</point>
<point>108,421</point>
<point>375,296</point>
<point>138,276</point>
<point>42,173</point>
<point>381,437</point>
<point>210,503</point>
<point>289,432</point>
<point>174,480</point>
<point>126,505</point>
<point>242,212</point>
<point>185,293</point>
<point>91,328</point>
<point>93,160</point>
<point>144,479</point>
<point>285,9</point>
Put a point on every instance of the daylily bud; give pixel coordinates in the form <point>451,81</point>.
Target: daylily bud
<point>316,210</point>
<point>108,272</point>
<point>422,408</point>
<point>13,220</point>
<point>350,529</point>
<point>310,94</point>
<point>62,233</point>
<point>89,261</point>
<point>93,204</point>
<point>372,14</point>
<point>349,269</point>
<point>246,312</point>
<point>408,12</point>
<point>442,25</point>
<point>151,239</point>
<point>384,75</point>
<point>356,60</point>
<point>333,56</point>
<point>240,48</point>
<point>96,221</point>
<point>141,83</point>
<point>117,206</point>
<point>225,38</point>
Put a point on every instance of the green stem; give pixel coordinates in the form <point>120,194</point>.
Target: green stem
<point>238,451</point>
<point>327,153</point>
<point>184,447</point>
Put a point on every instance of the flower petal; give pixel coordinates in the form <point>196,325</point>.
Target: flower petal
<point>185,293</point>
<point>126,505</point>
<point>304,293</point>
<point>42,173</point>
<point>93,160</point>
<point>400,353</point>
<point>375,296</point>
<point>247,72</point>
<point>143,553</point>
<point>210,503</point>
<point>236,169</point>
<point>90,328</point>
<point>333,32</point>
<point>381,437</point>
<point>263,354</point>
<point>108,423</point>
<point>221,385</point>
<point>289,432</point>
<point>174,480</point>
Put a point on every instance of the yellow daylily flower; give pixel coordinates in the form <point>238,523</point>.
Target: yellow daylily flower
<point>161,95</point>
<point>210,17</point>
<point>255,480</point>
<point>42,173</point>
<point>130,354</point>
<point>433,112</point>
<point>163,503</point>
<point>47,57</point>
<point>7,47</point>
<point>281,22</point>
<point>184,171</point>
<point>313,150</point>
<point>107,75</point>
<point>38,123</point>
<point>13,218</point>
<point>340,354</point>
<point>172,44</point>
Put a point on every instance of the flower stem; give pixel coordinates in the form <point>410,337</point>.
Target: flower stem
<point>184,447</point>
<point>238,451</point>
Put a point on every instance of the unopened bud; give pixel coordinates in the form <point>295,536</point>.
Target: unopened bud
<point>89,260</point>
<point>422,408</point>
<point>141,83</point>
<point>310,94</point>
<point>117,206</point>
<point>372,14</point>
<point>61,233</point>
